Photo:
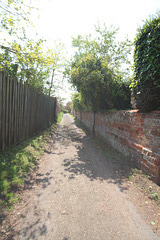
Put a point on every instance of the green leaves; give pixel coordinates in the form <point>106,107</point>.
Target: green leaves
<point>26,59</point>
<point>96,71</point>
<point>30,63</point>
<point>153,223</point>
<point>16,162</point>
<point>78,103</point>
<point>147,65</point>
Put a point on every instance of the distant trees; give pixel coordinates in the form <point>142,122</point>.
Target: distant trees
<point>68,106</point>
<point>146,81</point>
<point>77,102</point>
<point>97,72</point>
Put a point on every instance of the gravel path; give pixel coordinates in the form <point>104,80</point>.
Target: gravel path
<point>75,197</point>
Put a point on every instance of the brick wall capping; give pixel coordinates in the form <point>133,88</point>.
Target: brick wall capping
<point>128,111</point>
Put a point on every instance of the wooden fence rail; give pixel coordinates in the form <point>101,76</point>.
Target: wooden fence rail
<point>23,111</point>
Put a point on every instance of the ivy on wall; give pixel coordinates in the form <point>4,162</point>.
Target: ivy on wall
<point>146,82</point>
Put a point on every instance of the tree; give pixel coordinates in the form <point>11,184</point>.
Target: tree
<point>77,102</point>
<point>30,63</point>
<point>25,58</point>
<point>68,106</point>
<point>14,17</point>
<point>96,70</point>
<point>14,20</point>
<point>107,47</point>
<point>56,61</point>
<point>146,81</point>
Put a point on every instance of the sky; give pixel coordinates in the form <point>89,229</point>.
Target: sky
<point>61,19</point>
<point>64,19</point>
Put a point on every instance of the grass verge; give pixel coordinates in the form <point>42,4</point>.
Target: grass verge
<point>60,115</point>
<point>76,120</point>
<point>16,163</point>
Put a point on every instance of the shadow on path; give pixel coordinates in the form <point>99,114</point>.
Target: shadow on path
<point>94,158</point>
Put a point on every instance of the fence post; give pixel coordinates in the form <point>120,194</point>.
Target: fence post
<point>10,113</point>
<point>7,111</point>
<point>3,111</point>
<point>1,76</point>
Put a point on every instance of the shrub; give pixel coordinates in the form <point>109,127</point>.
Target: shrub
<point>146,82</point>
<point>99,86</point>
<point>78,103</point>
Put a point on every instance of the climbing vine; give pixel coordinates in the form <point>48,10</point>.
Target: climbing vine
<point>146,82</point>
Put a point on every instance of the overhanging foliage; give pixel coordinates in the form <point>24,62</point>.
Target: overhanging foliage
<point>97,72</point>
<point>146,82</point>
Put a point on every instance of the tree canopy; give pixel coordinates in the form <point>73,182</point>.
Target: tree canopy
<point>97,70</point>
<point>24,58</point>
<point>146,81</point>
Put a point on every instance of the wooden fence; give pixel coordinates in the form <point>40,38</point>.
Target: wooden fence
<point>23,111</point>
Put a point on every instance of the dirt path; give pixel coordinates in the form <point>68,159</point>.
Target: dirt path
<point>74,196</point>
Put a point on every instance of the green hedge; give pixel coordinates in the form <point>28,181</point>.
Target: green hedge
<point>146,82</point>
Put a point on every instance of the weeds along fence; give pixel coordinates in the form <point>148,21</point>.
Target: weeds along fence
<point>23,111</point>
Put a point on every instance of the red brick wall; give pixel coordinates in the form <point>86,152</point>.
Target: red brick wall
<point>136,135</point>
<point>88,119</point>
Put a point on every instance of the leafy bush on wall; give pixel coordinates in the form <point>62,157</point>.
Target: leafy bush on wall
<point>146,82</point>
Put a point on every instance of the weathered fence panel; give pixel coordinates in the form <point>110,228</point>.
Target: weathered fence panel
<point>23,111</point>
